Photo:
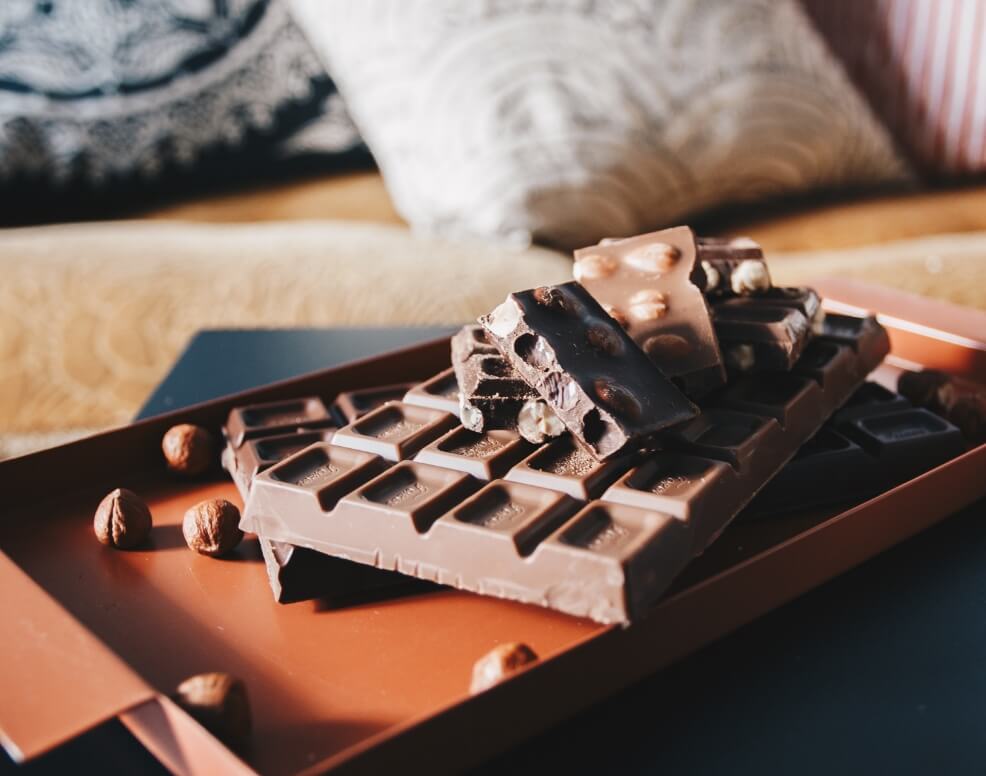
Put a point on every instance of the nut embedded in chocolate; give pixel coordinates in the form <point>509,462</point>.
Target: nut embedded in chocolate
<point>603,339</point>
<point>550,297</point>
<point>654,259</point>
<point>212,527</point>
<point>921,388</point>
<point>499,663</point>
<point>122,520</point>
<point>536,422</point>
<point>618,399</point>
<point>648,305</point>
<point>219,703</point>
<point>188,449</point>
<point>664,346</point>
<point>594,266</point>
<point>750,277</point>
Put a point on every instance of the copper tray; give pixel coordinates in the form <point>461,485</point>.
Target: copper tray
<point>93,633</point>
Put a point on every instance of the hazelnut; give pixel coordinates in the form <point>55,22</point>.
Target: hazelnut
<point>470,415</point>
<point>212,527</point>
<point>550,297</point>
<point>536,422</point>
<point>654,259</point>
<point>648,305</point>
<point>712,278</point>
<point>219,703</point>
<point>499,664</point>
<point>604,339</point>
<point>750,277</point>
<point>122,520</point>
<point>668,346</point>
<point>741,357</point>
<point>188,449</point>
<point>617,398</point>
<point>594,266</point>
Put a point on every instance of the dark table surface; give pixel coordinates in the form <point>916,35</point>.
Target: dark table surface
<point>879,671</point>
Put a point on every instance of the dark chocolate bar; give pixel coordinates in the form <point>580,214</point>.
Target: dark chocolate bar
<point>647,284</point>
<point>352,405</point>
<point>586,368</point>
<point>732,267</point>
<point>875,442</point>
<point>532,536</point>
<point>765,333</point>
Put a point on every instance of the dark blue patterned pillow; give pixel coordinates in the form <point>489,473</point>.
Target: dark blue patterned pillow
<point>117,97</point>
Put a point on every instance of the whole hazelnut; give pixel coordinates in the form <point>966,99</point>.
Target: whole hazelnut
<point>499,663</point>
<point>212,527</point>
<point>122,520</point>
<point>188,449</point>
<point>219,703</point>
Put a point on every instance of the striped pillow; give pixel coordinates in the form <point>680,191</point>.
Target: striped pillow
<point>922,64</point>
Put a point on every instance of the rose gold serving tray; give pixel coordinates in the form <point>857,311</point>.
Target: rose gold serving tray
<point>91,633</point>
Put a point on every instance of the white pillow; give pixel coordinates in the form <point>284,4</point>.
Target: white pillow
<point>571,120</point>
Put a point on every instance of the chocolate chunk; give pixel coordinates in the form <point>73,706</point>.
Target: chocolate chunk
<point>647,284</point>
<point>765,333</point>
<point>612,402</point>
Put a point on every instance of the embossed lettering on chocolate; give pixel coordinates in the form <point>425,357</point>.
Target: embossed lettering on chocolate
<point>585,366</point>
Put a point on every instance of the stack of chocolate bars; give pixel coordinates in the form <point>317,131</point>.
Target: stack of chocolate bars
<point>588,440</point>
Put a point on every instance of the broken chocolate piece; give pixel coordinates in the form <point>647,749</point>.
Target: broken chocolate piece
<point>648,284</point>
<point>765,333</point>
<point>613,400</point>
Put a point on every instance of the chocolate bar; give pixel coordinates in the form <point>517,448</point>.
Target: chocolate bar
<point>351,405</point>
<point>269,433</point>
<point>586,368</point>
<point>647,284</point>
<point>766,332</point>
<point>875,442</point>
<point>732,267</point>
<point>529,536</point>
<point>259,435</point>
<point>493,395</point>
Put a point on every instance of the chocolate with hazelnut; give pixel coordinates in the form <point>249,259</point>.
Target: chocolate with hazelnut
<point>188,449</point>
<point>212,527</point>
<point>122,520</point>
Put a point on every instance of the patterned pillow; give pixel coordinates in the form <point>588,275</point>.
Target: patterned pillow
<point>571,120</point>
<point>110,95</point>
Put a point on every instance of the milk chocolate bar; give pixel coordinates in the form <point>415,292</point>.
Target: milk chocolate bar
<point>530,536</point>
<point>269,433</point>
<point>441,392</point>
<point>351,405</point>
<point>877,441</point>
<point>586,368</point>
<point>767,332</point>
<point>648,284</point>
